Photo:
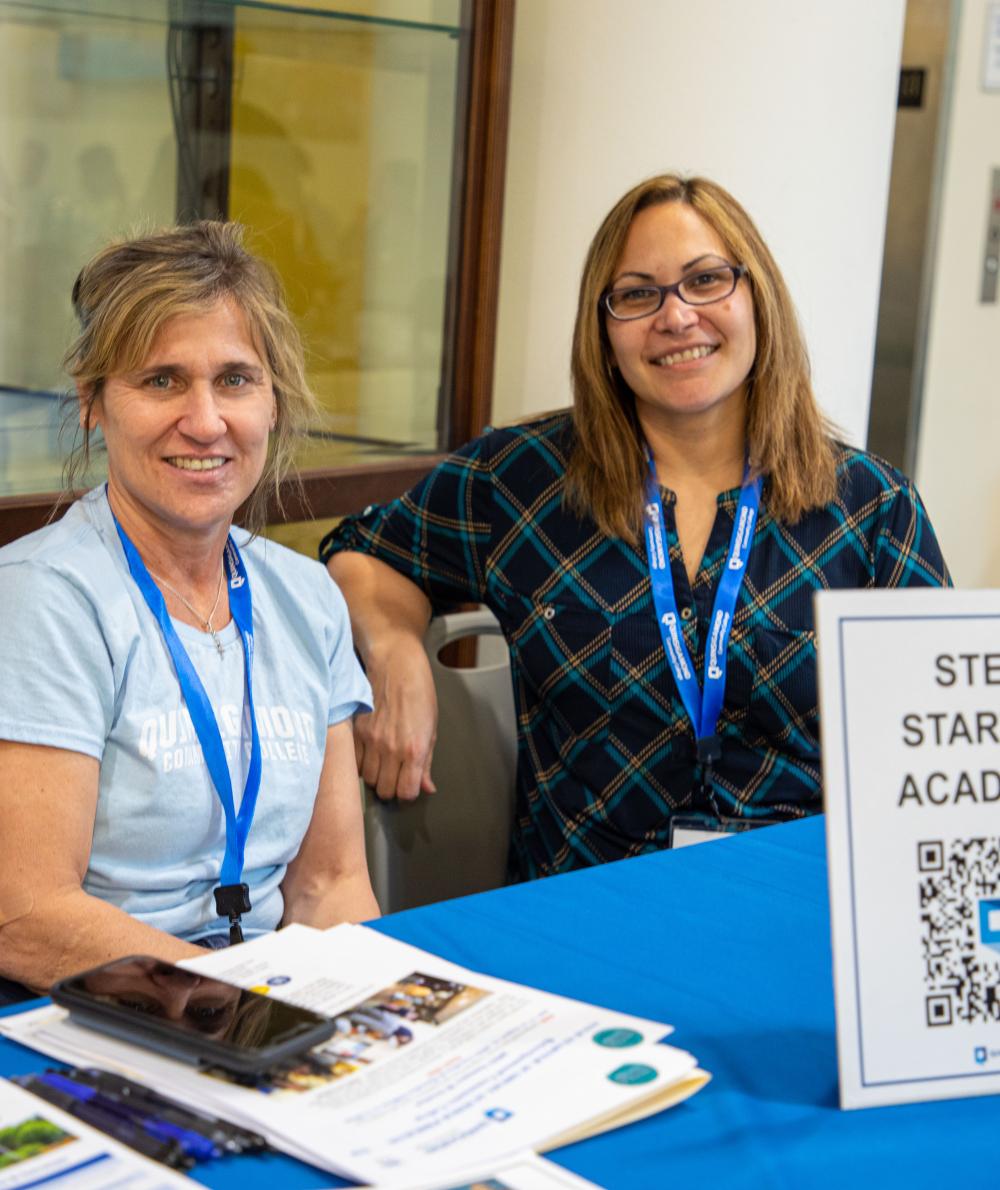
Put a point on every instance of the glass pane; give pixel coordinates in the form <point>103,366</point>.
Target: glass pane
<point>87,151</point>
<point>341,162</point>
<point>337,152</point>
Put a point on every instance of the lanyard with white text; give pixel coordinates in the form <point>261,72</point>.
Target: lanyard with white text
<point>232,897</point>
<point>702,704</point>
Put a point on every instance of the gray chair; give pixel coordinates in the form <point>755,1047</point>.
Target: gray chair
<point>454,841</point>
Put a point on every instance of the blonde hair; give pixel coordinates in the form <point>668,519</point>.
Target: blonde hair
<point>125,294</point>
<point>790,443</point>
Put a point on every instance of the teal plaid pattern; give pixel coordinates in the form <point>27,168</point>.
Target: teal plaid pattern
<point>606,753</point>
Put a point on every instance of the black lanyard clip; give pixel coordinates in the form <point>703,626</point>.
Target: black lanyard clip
<point>232,901</point>
<point>709,749</point>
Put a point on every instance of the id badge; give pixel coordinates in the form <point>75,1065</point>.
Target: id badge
<point>686,830</point>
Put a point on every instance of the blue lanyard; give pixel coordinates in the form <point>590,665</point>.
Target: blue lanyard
<point>235,896</point>
<point>704,703</point>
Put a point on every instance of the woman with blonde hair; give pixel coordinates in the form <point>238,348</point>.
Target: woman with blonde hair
<point>175,723</point>
<point>651,555</point>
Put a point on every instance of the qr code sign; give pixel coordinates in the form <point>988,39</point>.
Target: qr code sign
<point>960,916</point>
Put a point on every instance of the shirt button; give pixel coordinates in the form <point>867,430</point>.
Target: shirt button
<point>686,613</point>
<point>548,612</point>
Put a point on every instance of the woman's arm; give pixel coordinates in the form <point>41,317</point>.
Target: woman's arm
<point>50,927</point>
<point>389,615</point>
<point>328,881</point>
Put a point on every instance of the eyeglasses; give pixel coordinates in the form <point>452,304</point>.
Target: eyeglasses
<point>700,288</point>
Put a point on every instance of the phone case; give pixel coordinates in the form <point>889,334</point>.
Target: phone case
<point>305,1029</point>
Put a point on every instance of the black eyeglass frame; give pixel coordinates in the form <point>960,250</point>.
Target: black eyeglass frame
<point>738,271</point>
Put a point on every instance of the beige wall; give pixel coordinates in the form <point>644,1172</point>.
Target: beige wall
<point>790,105</point>
<point>958,459</point>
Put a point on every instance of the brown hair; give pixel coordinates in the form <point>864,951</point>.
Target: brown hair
<point>789,440</point>
<point>125,294</point>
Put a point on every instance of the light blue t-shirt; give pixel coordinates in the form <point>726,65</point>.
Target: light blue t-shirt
<point>83,666</point>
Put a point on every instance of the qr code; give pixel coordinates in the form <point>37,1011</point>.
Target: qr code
<point>960,917</point>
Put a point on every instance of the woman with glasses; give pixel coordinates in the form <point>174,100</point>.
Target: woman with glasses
<point>651,554</point>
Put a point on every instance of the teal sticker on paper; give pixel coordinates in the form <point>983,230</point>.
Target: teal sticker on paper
<point>617,1039</point>
<point>632,1074</point>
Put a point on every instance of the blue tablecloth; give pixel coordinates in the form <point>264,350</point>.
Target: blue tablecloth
<point>729,942</point>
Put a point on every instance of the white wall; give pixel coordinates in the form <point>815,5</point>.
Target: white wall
<point>958,459</point>
<point>788,104</point>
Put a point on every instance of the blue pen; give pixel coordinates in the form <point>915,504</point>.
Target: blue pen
<point>119,1128</point>
<point>229,1138</point>
<point>196,1146</point>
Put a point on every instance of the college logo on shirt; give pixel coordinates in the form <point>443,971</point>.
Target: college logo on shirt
<point>287,735</point>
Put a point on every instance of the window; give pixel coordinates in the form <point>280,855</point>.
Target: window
<point>362,147</point>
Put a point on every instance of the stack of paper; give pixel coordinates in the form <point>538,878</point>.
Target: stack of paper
<point>433,1066</point>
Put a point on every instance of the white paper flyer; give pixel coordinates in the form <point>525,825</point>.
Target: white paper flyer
<point>432,1067</point>
<point>526,1171</point>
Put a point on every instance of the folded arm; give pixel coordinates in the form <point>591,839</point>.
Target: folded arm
<point>389,615</point>
<point>49,926</point>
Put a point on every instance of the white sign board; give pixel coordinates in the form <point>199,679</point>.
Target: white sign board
<point>910,712</point>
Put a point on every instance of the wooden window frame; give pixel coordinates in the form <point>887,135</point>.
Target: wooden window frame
<point>486,42</point>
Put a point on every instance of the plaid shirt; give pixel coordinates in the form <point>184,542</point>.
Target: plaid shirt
<point>606,751</point>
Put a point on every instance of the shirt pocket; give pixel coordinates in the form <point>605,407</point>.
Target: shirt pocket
<point>560,651</point>
<point>771,692</point>
<point>645,701</point>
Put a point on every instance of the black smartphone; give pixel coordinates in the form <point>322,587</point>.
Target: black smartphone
<point>190,1017</point>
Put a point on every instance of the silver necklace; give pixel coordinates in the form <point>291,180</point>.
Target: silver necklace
<point>206,623</point>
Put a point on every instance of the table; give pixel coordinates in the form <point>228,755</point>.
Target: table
<point>730,942</point>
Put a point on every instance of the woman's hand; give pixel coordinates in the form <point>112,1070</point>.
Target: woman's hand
<point>389,615</point>
<point>394,745</point>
